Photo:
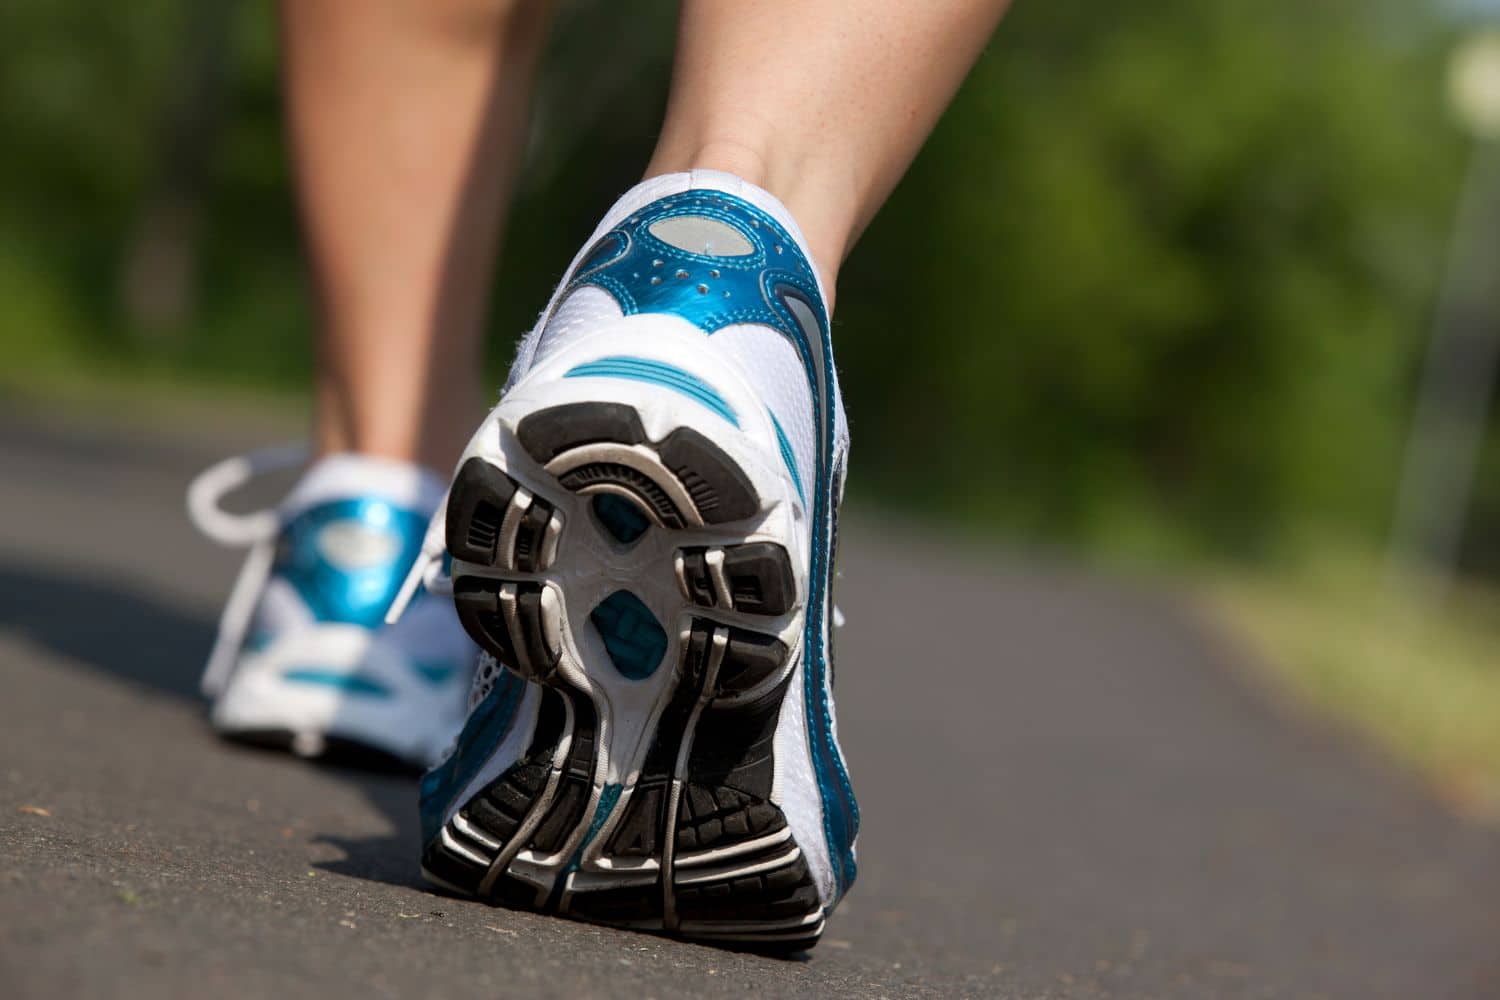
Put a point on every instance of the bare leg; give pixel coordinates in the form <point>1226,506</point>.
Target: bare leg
<point>822,102</point>
<point>407,121</point>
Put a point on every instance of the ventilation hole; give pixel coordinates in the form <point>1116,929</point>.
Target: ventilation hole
<point>621,518</point>
<point>632,636</point>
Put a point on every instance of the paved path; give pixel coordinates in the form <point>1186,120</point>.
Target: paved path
<point>1068,790</point>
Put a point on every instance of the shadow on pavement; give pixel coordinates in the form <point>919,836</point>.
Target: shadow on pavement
<point>110,627</point>
<point>105,626</point>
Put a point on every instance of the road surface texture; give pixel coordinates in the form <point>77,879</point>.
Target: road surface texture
<point>1071,787</point>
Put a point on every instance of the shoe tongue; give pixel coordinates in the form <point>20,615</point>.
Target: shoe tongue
<point>347,474</point>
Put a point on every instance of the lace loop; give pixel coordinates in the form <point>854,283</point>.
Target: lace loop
<point>219,480</point>
<point>256,530</point>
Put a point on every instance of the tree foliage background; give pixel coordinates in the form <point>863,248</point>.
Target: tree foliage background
<point>1158,285</point>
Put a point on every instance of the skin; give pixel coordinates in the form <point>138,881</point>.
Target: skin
<point>407,119</point>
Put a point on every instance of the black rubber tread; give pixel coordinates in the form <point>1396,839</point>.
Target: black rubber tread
<point>478,605</point>
<point>476,507</point>
<point>454,869</point>
<point>783,893</point>
<point>477,504</point>
<point>533,639</point>
<point>750,659</point>
<point>641,486</point>
<point>572,796</point>
<point>733,747</point>
<point>529,535</point>
<point>625,905</point>
<point>524,649</point>
<point>638,834</point>
<point>719,487</point>
<point>759,575</point>
<point>716,816</point>
<point>709,817</point>
<point>501,807</point>
<point>545,434</point>
<point>640,830</point>
<point>761,581</point>
<point>700,586</point>
<point>514,892</point>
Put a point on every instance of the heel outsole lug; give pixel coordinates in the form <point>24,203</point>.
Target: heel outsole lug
<point>547,433</point>
<point>754,578</point>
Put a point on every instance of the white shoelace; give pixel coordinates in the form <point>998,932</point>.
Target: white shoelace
<point>428,571</point>
<point>256,531</point>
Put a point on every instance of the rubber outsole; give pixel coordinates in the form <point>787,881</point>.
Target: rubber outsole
<point>690,842</point>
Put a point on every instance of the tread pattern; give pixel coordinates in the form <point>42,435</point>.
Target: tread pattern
<point>720,490</point>
<point>702,851</point>
<point>755,578</point>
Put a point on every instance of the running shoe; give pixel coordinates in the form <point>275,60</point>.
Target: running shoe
<point>303,659</point>
<point>642,534</point>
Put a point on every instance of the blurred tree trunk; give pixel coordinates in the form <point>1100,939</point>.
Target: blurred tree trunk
<point>159,270</point>
<point>1458,383</point>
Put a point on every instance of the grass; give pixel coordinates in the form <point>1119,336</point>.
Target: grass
<point>1416,676</point>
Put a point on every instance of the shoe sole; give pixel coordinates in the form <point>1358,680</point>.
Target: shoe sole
<point>644,797</point>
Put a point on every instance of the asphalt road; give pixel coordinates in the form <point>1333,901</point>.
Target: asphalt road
<point>1070,788</point>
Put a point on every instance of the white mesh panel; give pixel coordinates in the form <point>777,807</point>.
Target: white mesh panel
<point>582,312</point>
<point>769,362</point>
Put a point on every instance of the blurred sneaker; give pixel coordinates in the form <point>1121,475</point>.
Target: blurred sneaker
<point>303,659</point>
<point>642,534</point>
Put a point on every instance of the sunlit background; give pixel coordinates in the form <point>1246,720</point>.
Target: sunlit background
<point>1160,295</point>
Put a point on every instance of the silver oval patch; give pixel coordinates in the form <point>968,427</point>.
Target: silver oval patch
<point>352,546</point>
<point>700,235</point>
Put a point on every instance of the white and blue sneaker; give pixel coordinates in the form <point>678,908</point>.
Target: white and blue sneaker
<point>303,659</point>
<point>642,535</point>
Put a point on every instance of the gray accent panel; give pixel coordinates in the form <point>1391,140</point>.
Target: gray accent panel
<point>698,234</point>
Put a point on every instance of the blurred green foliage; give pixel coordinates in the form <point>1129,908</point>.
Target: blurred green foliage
<point>1158,285</point>
<point>1172,268</point>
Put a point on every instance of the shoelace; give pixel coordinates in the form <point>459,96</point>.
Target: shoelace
<point>430,570</point>
<point>256,531</point>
